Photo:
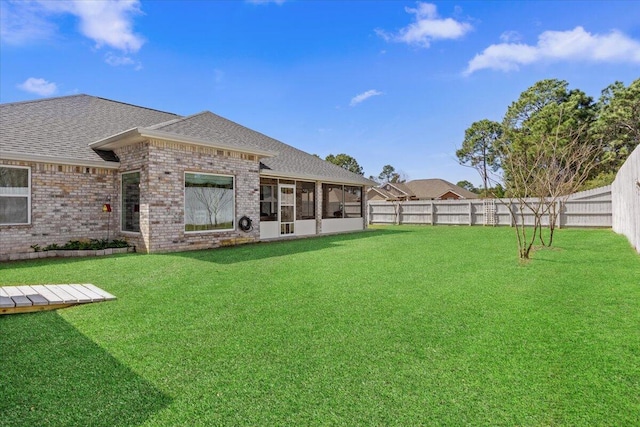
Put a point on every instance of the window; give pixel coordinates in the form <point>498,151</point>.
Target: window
<point>131,202</point>
<point>305,200</point>
<point>15,195</point>
<point>268,200</point>
<point>341,201</point>
<point>209,202</point>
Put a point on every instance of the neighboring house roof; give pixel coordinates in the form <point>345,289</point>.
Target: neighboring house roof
<point>381,192</point>
<point>394,191</point>
<point>436,188</point>
<point>76,128</point>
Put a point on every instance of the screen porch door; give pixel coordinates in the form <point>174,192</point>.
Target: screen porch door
<point>287,209</point>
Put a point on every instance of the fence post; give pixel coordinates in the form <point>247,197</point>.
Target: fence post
<point>433,214</point>
<point>470,214</point>
<point>399,215</point>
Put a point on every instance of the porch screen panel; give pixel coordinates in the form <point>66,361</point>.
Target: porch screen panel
<point>15,195</point>
<point>268,202</point>
<point>332,201</point>
<point>305,200</point>
<point>209,202</point>
<point>131,202</point>
<point>352,202</point>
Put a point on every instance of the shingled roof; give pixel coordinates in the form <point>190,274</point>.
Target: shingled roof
<point>63,128</point>
<point>435,188</point>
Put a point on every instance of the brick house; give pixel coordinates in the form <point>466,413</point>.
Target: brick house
<point>83,167</point>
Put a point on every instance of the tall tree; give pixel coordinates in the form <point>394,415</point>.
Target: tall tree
<point>547,113</point>
<point>345,161</point>
<point>387,173</point>
<point>467,186</point>
<point>478,148</point>
<point>399,177</point>
<point>617,128</point>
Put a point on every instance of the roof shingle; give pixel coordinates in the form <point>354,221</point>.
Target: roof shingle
<point>64,127</point>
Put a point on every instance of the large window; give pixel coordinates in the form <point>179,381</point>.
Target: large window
<point>209,202</point>
<point>341,201</point>
<point>305,200</point>
<point>15,195</point>
<point>268,199</point>
<point>131,202</point>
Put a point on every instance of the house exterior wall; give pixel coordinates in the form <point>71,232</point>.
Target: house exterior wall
<point>162,166</point>
<point>67,201</point>
<point>66,204</point>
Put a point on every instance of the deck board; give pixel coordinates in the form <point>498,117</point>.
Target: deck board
<point>50,296</point>
<point>106,295</point>
<point>79,296</point>
<point>66,296</point>
<point>6,302</point>
<point>25,298</point>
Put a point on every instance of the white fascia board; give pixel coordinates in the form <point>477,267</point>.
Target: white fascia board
<point>305,177</point>
<point>140,134</point>
<point>58,160</point>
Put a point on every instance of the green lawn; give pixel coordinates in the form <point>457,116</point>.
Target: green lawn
<point>397,326</point>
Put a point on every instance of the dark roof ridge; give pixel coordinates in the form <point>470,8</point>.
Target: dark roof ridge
<point>133,105</point>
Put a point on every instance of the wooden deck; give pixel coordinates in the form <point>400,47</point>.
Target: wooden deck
<point>25,299</point>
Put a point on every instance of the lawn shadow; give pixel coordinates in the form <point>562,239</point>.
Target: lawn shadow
<point>277,248</point>
<point>54,375</point>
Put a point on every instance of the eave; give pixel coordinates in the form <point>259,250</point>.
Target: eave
<point>307,177</point>
<point>58,160</point>
<point>134,135</point>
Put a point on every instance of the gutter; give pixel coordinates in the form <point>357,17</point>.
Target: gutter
<point>4,155</point>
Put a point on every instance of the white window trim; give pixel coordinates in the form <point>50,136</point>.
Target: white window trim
<point>122,230</point>
<point>28,195</point>
<point>184,203</point>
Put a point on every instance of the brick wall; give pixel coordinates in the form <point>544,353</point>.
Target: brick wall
<point>66,204</point>
<point>162,165</point>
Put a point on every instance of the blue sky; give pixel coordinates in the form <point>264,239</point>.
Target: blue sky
<point>387,82</point>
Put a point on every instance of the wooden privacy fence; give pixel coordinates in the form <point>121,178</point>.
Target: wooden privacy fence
<point>586,212</point>
<point>626,199</point>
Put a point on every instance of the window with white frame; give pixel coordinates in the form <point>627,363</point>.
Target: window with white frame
<point>15,195</point>
<point>209,202</point>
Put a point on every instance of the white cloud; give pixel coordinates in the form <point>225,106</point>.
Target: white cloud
<point>106,22</point>
<point>364,96</point>
<point>121,60</point>
<point>510,37</point>
<point>38,86</point>
<point>573,45</point>
<point>22,23</point>
<point>428,26</point>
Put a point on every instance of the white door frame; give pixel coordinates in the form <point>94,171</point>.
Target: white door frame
<point>287,228</point>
